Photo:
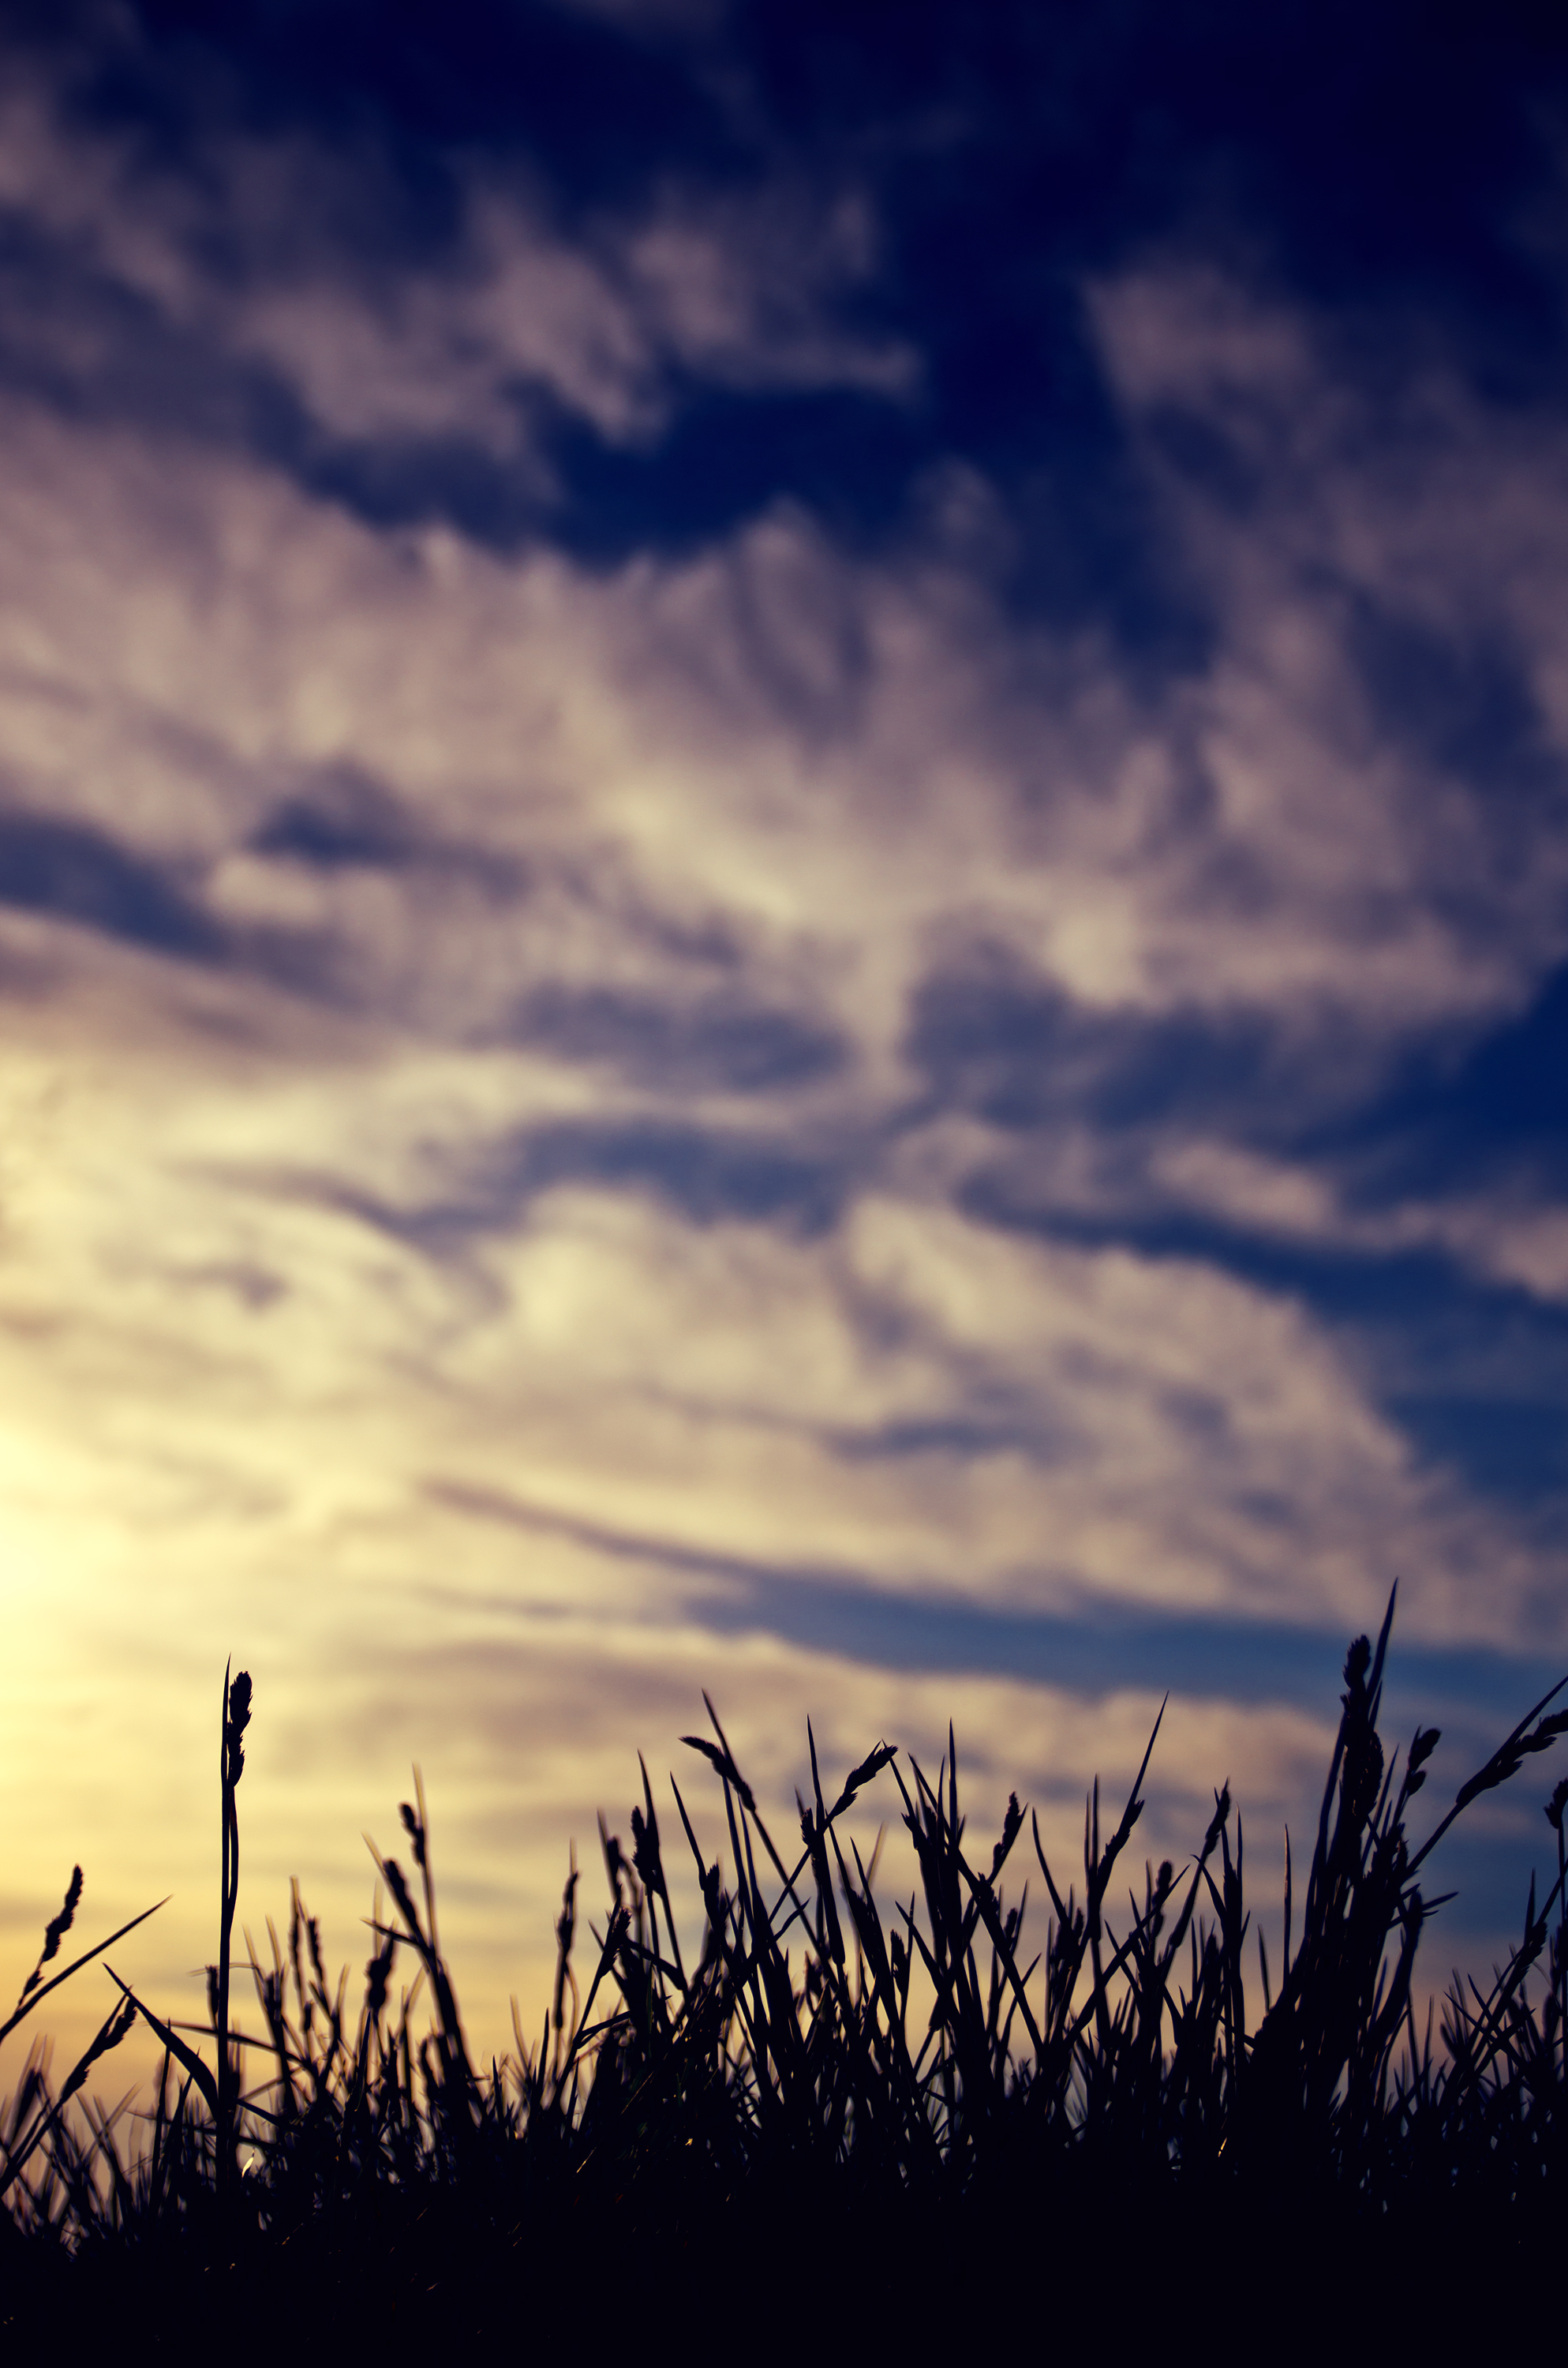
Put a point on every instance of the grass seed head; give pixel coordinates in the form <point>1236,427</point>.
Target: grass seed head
<point>54,1931</point>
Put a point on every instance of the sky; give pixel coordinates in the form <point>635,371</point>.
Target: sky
<point>783,909</point>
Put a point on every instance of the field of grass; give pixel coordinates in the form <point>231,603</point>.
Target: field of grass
<point>901,2120</point>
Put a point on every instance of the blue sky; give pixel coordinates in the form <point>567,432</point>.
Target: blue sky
<point>783,906</point>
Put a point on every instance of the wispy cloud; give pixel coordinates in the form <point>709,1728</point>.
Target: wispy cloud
<point>765,1111</point>
<point>305,295</point>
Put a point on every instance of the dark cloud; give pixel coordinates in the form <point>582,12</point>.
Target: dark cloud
<point>718,1045</point>
<point>999,1429</point>
<point>1439,1337</point>
<point>342,824</point>
<point>992,1039</point>
<point>1105,1648</point>
<point>73,872</point>
<point>1463,706</point>
<point>1472,1372</point>
<point>999,162</point>
<point>420,481</point>
<point>252,1287</point>
<point>1104,1651</point>
<point>77,339</point>
<point>708,1176</point>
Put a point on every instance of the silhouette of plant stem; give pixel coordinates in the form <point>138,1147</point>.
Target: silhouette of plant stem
<point>811,2047</point>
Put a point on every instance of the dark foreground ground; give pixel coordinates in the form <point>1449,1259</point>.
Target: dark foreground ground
<point>1129,2275</point>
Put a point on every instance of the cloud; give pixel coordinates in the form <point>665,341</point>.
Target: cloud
<point>746,933</point>
<point>306,295</point>
<point>711,1045</point>
<point>1385,717</point>
<point>78,874</point>
<point>760,1115</point>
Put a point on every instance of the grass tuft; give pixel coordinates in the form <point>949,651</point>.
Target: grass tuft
<point>921,2076</point>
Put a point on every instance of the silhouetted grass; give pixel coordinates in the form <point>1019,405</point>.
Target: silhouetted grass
<point>896,2118</point>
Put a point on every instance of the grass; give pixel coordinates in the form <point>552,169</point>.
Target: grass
<point>837,2112</point>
